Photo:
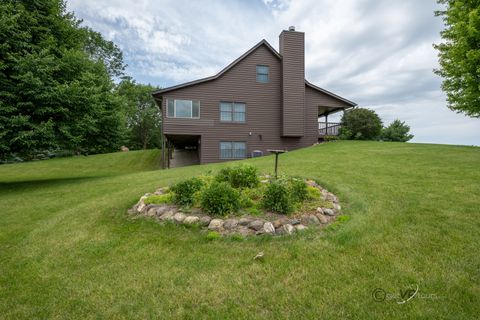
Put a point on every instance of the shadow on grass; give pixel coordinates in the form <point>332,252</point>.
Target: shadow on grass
<point>42,183</point>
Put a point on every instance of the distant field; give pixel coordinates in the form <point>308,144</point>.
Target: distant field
<point>69,250</point>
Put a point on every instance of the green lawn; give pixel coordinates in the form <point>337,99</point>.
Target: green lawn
<point>69,250</point>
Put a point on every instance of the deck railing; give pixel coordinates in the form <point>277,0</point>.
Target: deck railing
<point>328,129</point>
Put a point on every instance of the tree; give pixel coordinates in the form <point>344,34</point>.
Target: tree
<point>397,131</point>
<point>459,55</point>
<point>143,115</point>
<point>360,124</point>
<point>56,86</point>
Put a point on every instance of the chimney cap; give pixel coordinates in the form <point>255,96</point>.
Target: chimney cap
<point>291,28</point>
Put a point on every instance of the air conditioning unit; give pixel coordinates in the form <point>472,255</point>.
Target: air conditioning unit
<point>257,153</point>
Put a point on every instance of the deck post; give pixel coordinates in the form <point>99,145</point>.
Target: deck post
<point>163,152</point>
<point>326,124</point>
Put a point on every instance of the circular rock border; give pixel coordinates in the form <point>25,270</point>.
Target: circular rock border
<point>270,223</point>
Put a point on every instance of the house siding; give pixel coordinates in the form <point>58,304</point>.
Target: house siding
<point>280,114</point>
<point>263,110</point>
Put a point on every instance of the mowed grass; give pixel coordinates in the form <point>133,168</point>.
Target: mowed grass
<point>69,250</point>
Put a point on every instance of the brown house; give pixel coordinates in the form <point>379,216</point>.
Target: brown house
<point>260,101</point>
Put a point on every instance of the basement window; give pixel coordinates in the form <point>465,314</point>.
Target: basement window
<point>189,109</point>
<point>233,150</point>
<point>262,74</point>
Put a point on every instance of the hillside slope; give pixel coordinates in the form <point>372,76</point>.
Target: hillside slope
<point>68,249</point>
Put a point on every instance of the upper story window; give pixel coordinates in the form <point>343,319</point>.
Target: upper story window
<point>232,111</point>
<point>262,74</point>
<point>177,108</point>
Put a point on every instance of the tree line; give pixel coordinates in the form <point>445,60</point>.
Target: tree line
<point>63,87</point>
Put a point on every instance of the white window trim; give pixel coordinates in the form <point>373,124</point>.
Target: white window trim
<point>191,109</point>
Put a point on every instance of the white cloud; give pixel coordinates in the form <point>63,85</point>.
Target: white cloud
<point>377,53</point>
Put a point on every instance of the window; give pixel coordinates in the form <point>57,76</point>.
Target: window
<point>183,108</point>
<point>262,74</point>
<point>232,111</point>
<point>233,150</point>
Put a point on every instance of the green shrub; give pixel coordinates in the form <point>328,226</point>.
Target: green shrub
<point>219,198</point>
<point>298,190</point>
<point>276,198</point>
<point>245,201</point>
<point>396,131</point>
<point>330,138</point>
<point>254,194</point>
<point>159,199</point>
<point>361,124</point>
<point>313,193</point>
<point>184,191</point>
<point>224,174</point>
<point>244,176</point>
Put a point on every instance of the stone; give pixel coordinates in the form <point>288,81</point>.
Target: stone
<point>167,215</point>
<point>140,206</point>
<point>279,222</point>
<point>191,220</point>
<point>161,210</point>
<point>244,221</point>
<point>319,210</point>
<point>288,228</point>
<point>151,211</point>
<point>323,219</point>
<point>124,149</point>
<point>205,220</point>
<point>300,227</point>
<point>313,219</point>
<point>328,212</point>
<point>215,224</point>
<point>179,217</point>
<point>268,228</point>
<point>230,224</point>
<point>337,207</point>
<point>256,225</point>
<point>309,219</point>
<point>294,221</point>
<point>331,197</point>
<point>244,231</point>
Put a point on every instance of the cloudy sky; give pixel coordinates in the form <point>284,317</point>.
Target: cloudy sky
<point>377,53</point>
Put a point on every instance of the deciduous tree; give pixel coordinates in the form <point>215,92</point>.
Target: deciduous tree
<point>459,55</point>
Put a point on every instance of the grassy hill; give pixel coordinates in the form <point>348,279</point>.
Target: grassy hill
<point>68,249</point>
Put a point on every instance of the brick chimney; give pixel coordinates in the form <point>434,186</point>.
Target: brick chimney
<point>292,50</point>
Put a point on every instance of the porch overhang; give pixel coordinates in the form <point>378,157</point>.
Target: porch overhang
<point>326,110</point>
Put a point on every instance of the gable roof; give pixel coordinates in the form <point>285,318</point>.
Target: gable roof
<point>235,62</point>
<point>231,65</point>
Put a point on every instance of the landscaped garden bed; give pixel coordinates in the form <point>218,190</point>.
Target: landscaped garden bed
<point>237,200</point>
